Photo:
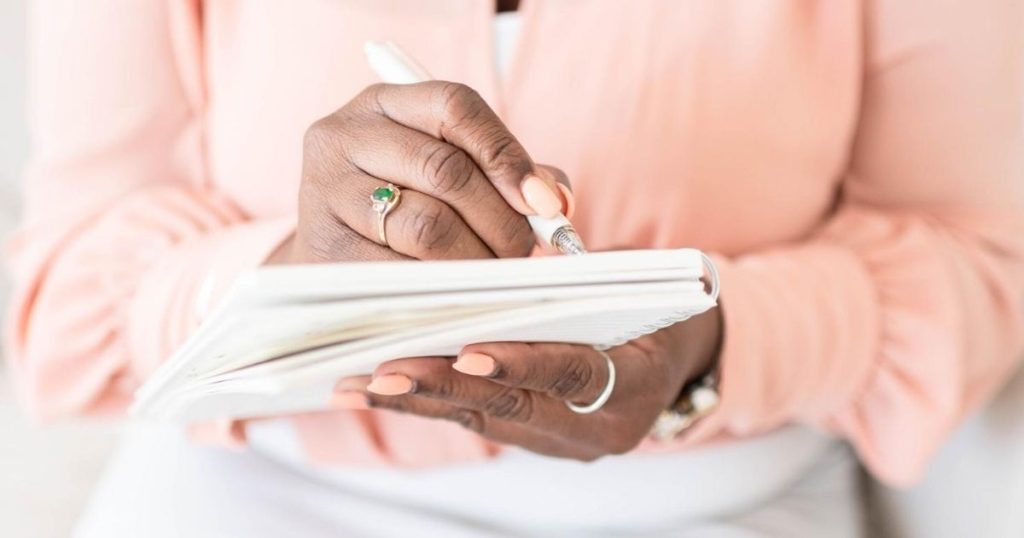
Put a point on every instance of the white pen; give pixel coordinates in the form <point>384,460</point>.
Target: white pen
<point>394,66</point>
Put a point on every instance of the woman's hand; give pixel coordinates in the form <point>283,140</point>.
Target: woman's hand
<point>515,393</point>
<point>466,181</point>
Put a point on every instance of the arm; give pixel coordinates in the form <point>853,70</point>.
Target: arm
<point>904,311</point>
<point>888,324</point>
<point>124,244</point>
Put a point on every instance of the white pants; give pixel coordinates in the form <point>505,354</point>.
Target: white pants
<point>794,484</point>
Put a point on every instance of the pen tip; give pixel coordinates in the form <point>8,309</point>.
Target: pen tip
<point>567,241</point>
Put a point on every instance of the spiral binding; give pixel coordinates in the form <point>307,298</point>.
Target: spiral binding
<point>712,275</point>
<point>679,315</point>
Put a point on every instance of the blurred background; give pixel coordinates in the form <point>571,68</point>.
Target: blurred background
<point>974,488</point>
<point>45,474</point>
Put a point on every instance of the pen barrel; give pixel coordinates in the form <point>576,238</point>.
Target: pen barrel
<point>392,64</point>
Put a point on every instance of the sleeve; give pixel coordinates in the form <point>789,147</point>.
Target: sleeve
<point>124,244</point>
<point>903,312</point>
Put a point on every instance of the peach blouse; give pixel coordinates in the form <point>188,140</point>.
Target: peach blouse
<point>855,166</point>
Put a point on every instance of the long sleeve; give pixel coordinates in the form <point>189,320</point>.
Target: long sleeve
<point>904,311</point>
<point>124,244</point>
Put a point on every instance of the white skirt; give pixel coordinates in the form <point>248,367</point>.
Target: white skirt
<point>793,483</point>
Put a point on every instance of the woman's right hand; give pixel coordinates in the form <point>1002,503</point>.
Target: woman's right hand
<point>466,182</point>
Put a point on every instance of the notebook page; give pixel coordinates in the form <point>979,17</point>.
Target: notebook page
<point>288,386</point>
<point>311,283</point>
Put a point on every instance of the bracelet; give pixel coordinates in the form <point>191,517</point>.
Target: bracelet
<point>697,400</point>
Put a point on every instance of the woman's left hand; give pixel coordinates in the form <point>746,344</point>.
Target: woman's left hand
<point>516,393</point>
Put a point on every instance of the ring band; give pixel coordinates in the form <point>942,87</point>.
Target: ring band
<point>384,199</point>
<point>605,394</point>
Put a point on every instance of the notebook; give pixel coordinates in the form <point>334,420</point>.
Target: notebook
<point>284,335</point>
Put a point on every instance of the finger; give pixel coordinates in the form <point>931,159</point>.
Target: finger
<point>500,431</point>
<point>328,239</point>
<point>433,377</point>
<point>351,394</point>
<point>441,170</point>
<point>457,114</point>
<point>567,372</point>
<point>419,226</point>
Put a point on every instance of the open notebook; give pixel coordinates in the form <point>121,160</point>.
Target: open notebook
<point>284,335</point>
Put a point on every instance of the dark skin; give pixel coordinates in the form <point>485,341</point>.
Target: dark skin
<point>507,5</point>
<point>461,173</point>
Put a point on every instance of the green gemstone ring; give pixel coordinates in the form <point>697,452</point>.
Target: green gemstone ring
<point>384,199</point>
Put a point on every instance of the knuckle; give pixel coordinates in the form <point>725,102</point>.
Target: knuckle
<point>445,388</point>
<point>575,375</point>
<point>469,419</point>
<point>510,404</point>
<point>459,103</point>
<point>319,135</point>
<point>499,149</point>
<point>432,227</point>
<point>517,239</point>
<point>447,169</point>
<point>324,150</point>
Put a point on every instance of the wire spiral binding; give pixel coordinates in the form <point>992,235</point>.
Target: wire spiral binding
<point>712,275</point>
<point>679,315</point>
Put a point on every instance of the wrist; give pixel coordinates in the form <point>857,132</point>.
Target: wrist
<point>700,340</point>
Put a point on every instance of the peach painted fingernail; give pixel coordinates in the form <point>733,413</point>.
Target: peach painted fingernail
<point>570,201</point>
<point>349,400</point>
<point>390,385</point>
<point>475,364</point>
<point>542,198</point>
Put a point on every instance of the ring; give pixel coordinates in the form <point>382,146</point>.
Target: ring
<point>384,199</point>
<point>605,394</point>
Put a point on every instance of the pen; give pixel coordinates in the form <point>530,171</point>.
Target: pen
<point>394,66</point>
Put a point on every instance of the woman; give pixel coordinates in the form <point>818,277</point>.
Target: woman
<point>855,167</point>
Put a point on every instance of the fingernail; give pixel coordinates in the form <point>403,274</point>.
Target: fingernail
<point>542,198</point>
<point>569,208</point>
<point>357,383</point>
<point>390,385</point>
<point>475,364</point>
<point>349,400</point>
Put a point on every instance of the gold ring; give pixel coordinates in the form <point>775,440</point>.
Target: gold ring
<point>384,199</point>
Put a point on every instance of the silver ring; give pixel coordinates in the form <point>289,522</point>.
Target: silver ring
<point>605,394</point>
<point>384,199</point>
